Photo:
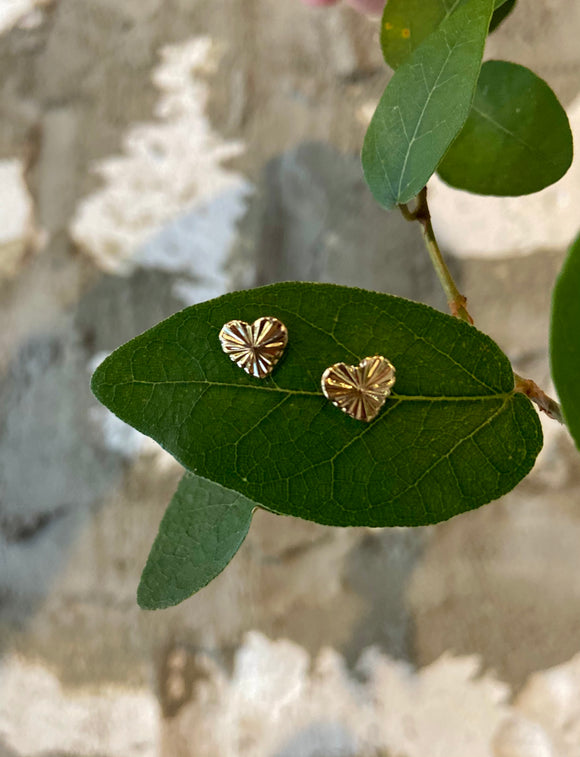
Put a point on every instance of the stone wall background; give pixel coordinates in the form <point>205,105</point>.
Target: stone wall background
<point>154,153</point>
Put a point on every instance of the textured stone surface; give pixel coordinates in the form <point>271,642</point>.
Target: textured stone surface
<point>185,148</point>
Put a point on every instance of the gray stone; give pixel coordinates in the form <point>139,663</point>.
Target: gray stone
<point>312,218</point>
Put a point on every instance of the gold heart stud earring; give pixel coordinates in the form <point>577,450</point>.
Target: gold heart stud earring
<point>255,347</point>
<point>359,390</point>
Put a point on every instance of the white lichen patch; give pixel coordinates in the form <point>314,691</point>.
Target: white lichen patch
<point>17,11</point>
<point>196,246</point>
<point>15,204</point>
<point>280,702</point>
<point>551,700</point>
<point>168,202</point>
<point>38,717</point>
<point>15,216</point>
<point>469,225</point>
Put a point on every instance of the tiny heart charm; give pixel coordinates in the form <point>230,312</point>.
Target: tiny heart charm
<point>255,347</point>
<point>359,390</point>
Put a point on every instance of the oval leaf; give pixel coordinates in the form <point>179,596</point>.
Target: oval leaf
<point>202,529</point>
<point>517,139</point>
<point>565,340</point>
<point>452,436</point>
<point>425,106</point>
<point>406,23</point>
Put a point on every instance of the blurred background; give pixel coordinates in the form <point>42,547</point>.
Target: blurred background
<point>157,153</point>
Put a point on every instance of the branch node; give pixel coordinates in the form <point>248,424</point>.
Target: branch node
<point>458,308</point>
<point>458,302</point>
<point>533,392</point>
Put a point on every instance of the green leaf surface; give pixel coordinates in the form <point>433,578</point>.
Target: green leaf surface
<point>406,23</point>
<point>517,139</point>
<point>425,106</point>
<point>501,13</point>
<point>452,436</point>
<point>202,529</point>
<point>565,340</point>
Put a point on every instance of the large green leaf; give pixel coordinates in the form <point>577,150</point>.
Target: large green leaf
<point>565,340</point>
<point>517,139</point>
<point>425,106</point>
<point>452,437</point>
<point>202,529</point>
<point>406,23</point>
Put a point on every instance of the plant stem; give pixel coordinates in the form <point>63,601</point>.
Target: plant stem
<point>539,397</point>
<point>458,303</point>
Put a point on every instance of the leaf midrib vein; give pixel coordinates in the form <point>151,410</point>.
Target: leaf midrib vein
<point>449,11</point>
<point>305,393</point>
<point>411,142</point>
<point>500,127</point>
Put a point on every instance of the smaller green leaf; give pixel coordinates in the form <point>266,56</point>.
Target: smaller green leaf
<point>501,14</point>
<point>565,340</point>
<point>517,139</point>
<point>202,529</point>
<point>425,106</point>
<point>406,23</point>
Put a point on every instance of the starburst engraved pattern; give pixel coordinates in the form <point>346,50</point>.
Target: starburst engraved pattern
<point>255,347</point>
<point>359,390</point>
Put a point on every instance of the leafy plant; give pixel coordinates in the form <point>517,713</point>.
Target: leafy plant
<point>565,340</point>
<point>459,429</point>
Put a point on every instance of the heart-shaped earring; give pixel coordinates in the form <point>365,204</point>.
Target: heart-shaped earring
<point>359,390</point>
<point>255,347</point>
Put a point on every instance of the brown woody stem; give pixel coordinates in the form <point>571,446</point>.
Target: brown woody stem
<point>539,397</point>
<point>458,303</point>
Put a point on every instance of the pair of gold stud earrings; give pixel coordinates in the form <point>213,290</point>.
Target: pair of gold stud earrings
<point>358,390</point>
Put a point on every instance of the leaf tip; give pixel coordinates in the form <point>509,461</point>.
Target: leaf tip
<point>148,599</point>
<point>97,380</point>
